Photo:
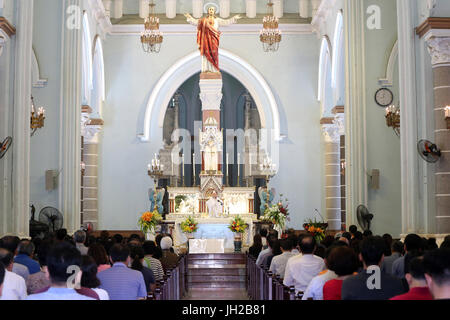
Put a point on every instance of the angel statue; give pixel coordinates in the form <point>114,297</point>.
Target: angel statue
<point>208,36</point>
<point>156,199</point>
<point>266,197</point>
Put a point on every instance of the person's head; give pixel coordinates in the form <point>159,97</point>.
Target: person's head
<point>344,240</point>
<point>307,244</point>
<point>7,258</point>
<point>352,229</point>
<point>257,240</point>
<point>358,235</point>
<point>347,235</point>
<point>211,11</point>
<point>273,233</point>
<point>276,248</point>
<point>79,236</point>
<point>118,238</point>
<point>119,253</point>
<point>149,247</point>
<point>437,272</point>
<point>2,277</point>
<point>104,235</point>
<point>89,277</point>
<point>416,273</point>
<point>10,243</point>
<point>214,194</point>
<point>286,245</point>
<point>26,247</point>
<point>263,232</point>
<point>61,259</point>
<point>367,233</point>
<point>61,234</point>
<point>98,253</point>
<point>397,246</point>
<point>327,241</point>
<point>43,251</point>
<point>166,243</point>
<point>271,241</point>
<point>445,244</point>
<point>136,255</point>
<point>372,251</point>
<point>134,237</point>
<point>431,244</point>
<point>342,260</point>
<point>413,243</point>
<point>388,240</point>
<point>158,239</point>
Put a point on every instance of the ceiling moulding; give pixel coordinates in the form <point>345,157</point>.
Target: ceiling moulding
<point>322,17</point>
<point>101,17</point>
<point>7,27</point>
<point>179,29</point>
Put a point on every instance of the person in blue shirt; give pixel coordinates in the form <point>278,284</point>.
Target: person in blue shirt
<point>25,252</point>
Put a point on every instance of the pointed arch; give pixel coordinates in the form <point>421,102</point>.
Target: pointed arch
<point>98,76</point>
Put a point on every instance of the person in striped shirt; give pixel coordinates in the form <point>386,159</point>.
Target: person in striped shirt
<point>152,263</point>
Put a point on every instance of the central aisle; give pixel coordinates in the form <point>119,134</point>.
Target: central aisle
<point>216,277</point>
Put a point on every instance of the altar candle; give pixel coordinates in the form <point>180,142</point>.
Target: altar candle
<point>193,168</point>
<point>228,163</point>
<point>238,161</point>
<point>171,160</point>
<point>182,164</point>
<point>250,164</point>
<point>149,166</point>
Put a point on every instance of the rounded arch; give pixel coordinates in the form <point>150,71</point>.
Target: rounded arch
<point>324,67</point>
<point>188,66</point>
<point>98,76</point>
<point>338,49</point>
<point>86,60</point>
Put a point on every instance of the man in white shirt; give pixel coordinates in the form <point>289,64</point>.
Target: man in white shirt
<point>266,252</point>
<point>14,287</point>
<point>214,205</point>
<point>278,265</point>
<point>300,270</point>
<point>80,238</point>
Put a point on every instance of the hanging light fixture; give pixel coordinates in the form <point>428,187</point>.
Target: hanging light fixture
<point>270,35</point>
<point>37,117</point>
<point>151,37</point>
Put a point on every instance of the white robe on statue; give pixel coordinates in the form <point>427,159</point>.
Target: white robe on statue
<point>214,207</point>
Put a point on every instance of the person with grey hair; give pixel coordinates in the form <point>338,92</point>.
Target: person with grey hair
<point>25,253</point>
<point>80,237</point>
<point>168,259</point>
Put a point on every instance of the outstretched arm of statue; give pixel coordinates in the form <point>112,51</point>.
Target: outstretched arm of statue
<point>191,19</point>
<point>227,22</point>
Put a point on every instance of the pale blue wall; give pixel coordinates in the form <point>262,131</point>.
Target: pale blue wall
<point>131,76</point>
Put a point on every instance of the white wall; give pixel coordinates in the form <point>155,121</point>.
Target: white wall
<point>130,78</point>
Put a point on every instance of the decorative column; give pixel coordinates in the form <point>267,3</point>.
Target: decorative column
<point>70,178</point>
<point>303,8</point>
<point>144,8</point>
<point>436,32</point>
<point>332,173</point>
<point>118,9</point>
<point>171,9</point>
<point>339,121</point>
<point>197,8</point>
<point>355,115</point>
<point>408,116</point>
<point>224,8</point>
<point>90,130</point>
<point>250,8</point>
<point>278,8</point>
<point>22,94</point>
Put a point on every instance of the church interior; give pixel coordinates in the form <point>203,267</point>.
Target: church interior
<point>276,114</point>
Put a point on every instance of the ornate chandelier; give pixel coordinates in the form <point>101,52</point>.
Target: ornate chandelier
<point>151,37</point>
<point>393,118</point>
<point>37,117</point>
<point>270,35</point>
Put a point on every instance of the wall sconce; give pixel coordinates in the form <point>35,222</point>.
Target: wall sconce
<point>37,118</point>
<point>447,116</point>
<point>393,118</point>
<point>156,170</point>
<point>83,168</point>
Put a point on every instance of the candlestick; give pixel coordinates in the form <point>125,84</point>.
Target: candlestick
<point>182,167</point>
<point>447,111</point>
<point>193,169</point>
<point>171,160</point>
<point>228,172</point>
<point>238,162</point>
<point>250,164</point>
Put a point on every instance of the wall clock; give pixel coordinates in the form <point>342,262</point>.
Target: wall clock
<point>384,97</point>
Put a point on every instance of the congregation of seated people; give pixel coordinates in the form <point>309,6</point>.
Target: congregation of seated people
<point>83,267</point>
<point>356,265</point>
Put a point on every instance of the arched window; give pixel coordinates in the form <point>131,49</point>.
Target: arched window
<point>98,81</point>
<point>324,67</point>
<point>86,47</point>
<point>338,77</point>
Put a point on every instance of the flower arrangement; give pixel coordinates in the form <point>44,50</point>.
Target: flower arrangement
<point>316,229</point>
<point>238,225</point>
<point>277,213</point>
<point>189,225</point>
<point>148,221</point>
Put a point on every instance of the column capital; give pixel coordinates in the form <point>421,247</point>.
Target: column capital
<point>331,133</point>
<point>439,49</point>
<point>6,32</point>
<point>436,32</point>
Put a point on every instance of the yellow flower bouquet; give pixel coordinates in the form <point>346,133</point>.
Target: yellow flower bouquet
<point>238,225</point>
<point>149,220</point>
<point>189,225</point>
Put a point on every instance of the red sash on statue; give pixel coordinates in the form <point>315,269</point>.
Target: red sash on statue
<point>208,42</point>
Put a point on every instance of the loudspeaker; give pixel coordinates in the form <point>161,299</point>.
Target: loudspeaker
<point>375,179</point>
<point>51,180</point>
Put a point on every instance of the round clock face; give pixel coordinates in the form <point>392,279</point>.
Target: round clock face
<point>384,97</point>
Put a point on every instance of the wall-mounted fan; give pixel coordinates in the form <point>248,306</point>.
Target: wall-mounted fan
<point>428,151</point>
<point>37,229</point>
<point>4,146</point>
<point>51,217</point>
<point>364,217</point>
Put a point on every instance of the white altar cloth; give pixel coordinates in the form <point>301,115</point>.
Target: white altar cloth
<point>206,245</point>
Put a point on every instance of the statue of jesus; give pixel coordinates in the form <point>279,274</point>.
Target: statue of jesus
<point>208,36</point>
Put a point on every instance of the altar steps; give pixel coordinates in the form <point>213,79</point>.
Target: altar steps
<point>225,271</point>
